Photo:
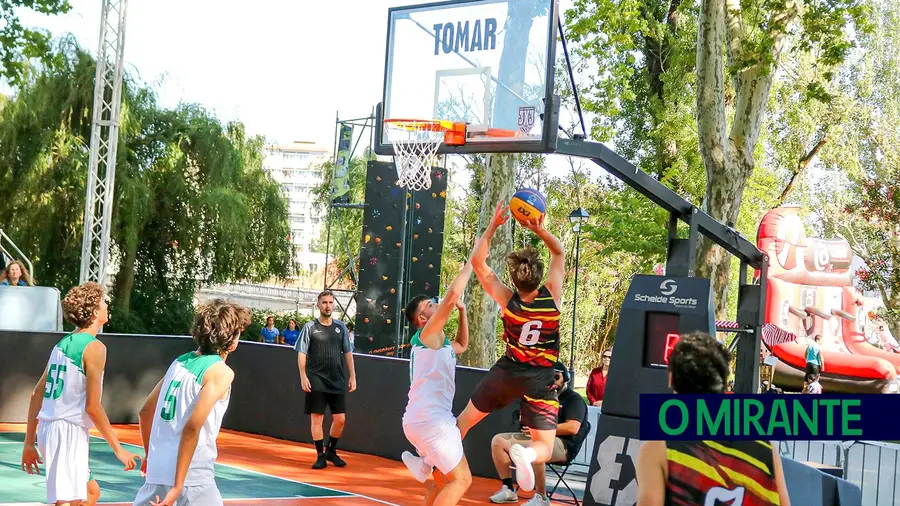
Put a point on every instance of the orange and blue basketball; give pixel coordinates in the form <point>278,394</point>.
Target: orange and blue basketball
<point>527,204</point>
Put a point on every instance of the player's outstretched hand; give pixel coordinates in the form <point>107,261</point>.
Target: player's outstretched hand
<point>500,215</point>
<point>533,224</point>
<point>128,459</point>
<point>30,460</point>
<point>169,499</point>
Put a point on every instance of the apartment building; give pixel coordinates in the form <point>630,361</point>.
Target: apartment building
<point>296,167</point>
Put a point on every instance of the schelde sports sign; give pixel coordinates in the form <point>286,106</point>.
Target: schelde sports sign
<point>768,416</point>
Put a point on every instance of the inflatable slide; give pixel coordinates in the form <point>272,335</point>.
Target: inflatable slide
<point>810,291</point>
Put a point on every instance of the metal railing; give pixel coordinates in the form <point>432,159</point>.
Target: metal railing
<point>21,257</point>
<point>871,465</point>
<point>301,295</point>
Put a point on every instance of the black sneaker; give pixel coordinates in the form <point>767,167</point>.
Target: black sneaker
<point>320,462</point>
<point>332,457</point>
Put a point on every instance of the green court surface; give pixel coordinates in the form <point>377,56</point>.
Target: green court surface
<point>117,485</point>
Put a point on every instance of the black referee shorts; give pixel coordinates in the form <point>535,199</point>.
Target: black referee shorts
<point>317,401</point>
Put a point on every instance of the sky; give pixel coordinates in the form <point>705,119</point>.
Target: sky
<point>284,69</point>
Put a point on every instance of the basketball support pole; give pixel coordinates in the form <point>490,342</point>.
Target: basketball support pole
<point>334,210</point>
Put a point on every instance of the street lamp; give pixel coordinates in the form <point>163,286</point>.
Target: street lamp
<point>578,218</point>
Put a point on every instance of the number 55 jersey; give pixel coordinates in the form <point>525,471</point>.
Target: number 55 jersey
<point>177,396</point>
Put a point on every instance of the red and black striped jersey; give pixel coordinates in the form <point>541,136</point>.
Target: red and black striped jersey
<point>737,473</point>
<point>531,330</point>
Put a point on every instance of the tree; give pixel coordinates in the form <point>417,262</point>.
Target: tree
<point>867,212</point>
<point>192,204</point>
<point>18,44</point>
<point>730,112</point>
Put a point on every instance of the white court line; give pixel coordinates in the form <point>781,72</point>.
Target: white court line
<point>103,441</point>
<point>280,478</point>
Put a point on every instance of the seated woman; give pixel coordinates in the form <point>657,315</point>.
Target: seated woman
<point>15,274</point>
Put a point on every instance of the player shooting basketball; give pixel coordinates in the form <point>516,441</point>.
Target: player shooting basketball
<point>531,332</point>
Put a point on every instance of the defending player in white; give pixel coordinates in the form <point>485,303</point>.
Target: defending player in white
<point>66,402</point>
<point>181,418</point>
<point>428,422</point>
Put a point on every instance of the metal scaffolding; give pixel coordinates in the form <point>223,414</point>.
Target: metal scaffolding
<point>104,142</point>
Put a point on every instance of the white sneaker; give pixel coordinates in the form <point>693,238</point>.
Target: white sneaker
<point>538,500</point>
<point>417,466</point>
<point>505,495</point>
<point>522,458</point>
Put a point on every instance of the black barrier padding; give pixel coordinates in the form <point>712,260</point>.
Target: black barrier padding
<point>266,396</point>
<point>134,365</point>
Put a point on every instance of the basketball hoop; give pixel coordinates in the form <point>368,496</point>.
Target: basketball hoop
<point>416,143</point>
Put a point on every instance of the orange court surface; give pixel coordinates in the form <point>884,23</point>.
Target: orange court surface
<point>250,470</point>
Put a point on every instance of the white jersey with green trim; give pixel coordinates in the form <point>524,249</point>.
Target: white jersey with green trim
<point>432,377</point>
<point>65,392</point>
<point>177,396</point>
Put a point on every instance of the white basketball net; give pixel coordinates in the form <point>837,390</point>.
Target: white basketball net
<point>415,153</point>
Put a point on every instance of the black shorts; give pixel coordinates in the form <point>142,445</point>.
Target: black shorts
<point>812,368</point>
<point>506,382</point>
<point>316,402</point>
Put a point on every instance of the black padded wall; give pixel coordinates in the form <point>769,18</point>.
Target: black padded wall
<point>266,395</point>
<point>396,262</point>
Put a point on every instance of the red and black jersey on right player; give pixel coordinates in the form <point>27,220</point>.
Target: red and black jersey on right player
<point>531,330</point>
<point>723,472</point>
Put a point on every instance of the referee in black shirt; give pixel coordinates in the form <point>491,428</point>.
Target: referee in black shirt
<point>325,360</point>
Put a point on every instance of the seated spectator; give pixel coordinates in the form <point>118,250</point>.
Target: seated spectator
<point>570,434</point>
<point>812,385</point>
<point>270,334</point>
<point>678,472</point>
<point>15,274</point>
<point>596,384</point>
<point>291,333</point>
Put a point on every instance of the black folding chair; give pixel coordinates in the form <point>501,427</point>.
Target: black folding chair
<point>560,469</point>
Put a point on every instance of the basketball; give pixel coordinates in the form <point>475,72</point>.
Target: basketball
<point>527,204</point>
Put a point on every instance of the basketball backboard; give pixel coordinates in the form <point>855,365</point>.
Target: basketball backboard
<point>488,63</point>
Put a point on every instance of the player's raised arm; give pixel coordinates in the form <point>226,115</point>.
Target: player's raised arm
<point>216,382</point>
<point>557,269</point>
<point>30,457</point>
<point>461,344</point>
<point>432,334</point>
<point>94,360</point>
<point>486,276</point>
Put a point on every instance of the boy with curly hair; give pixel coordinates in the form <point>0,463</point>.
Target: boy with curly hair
<point>65,404</point>
<point>182,416</point>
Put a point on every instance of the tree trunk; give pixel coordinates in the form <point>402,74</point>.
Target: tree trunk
<point>499,182</point>
<point>124,284</point>
<point>729,161</point>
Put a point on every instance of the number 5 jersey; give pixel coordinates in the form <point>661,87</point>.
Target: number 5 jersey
<point>178,393</point>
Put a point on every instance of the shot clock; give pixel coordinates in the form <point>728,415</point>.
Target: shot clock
<point>656,312</point>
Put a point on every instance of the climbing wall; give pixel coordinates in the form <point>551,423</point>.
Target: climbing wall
<point>388,275</point>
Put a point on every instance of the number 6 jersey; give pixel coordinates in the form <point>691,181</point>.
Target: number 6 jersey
<point>65,392</point>
<point>531,330</point>
<point>178,393</point>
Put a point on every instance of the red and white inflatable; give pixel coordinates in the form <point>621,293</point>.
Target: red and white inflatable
<point>810,291</point>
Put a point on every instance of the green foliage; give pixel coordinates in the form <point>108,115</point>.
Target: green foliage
<point>19,44</point>
<point>192,204</point>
